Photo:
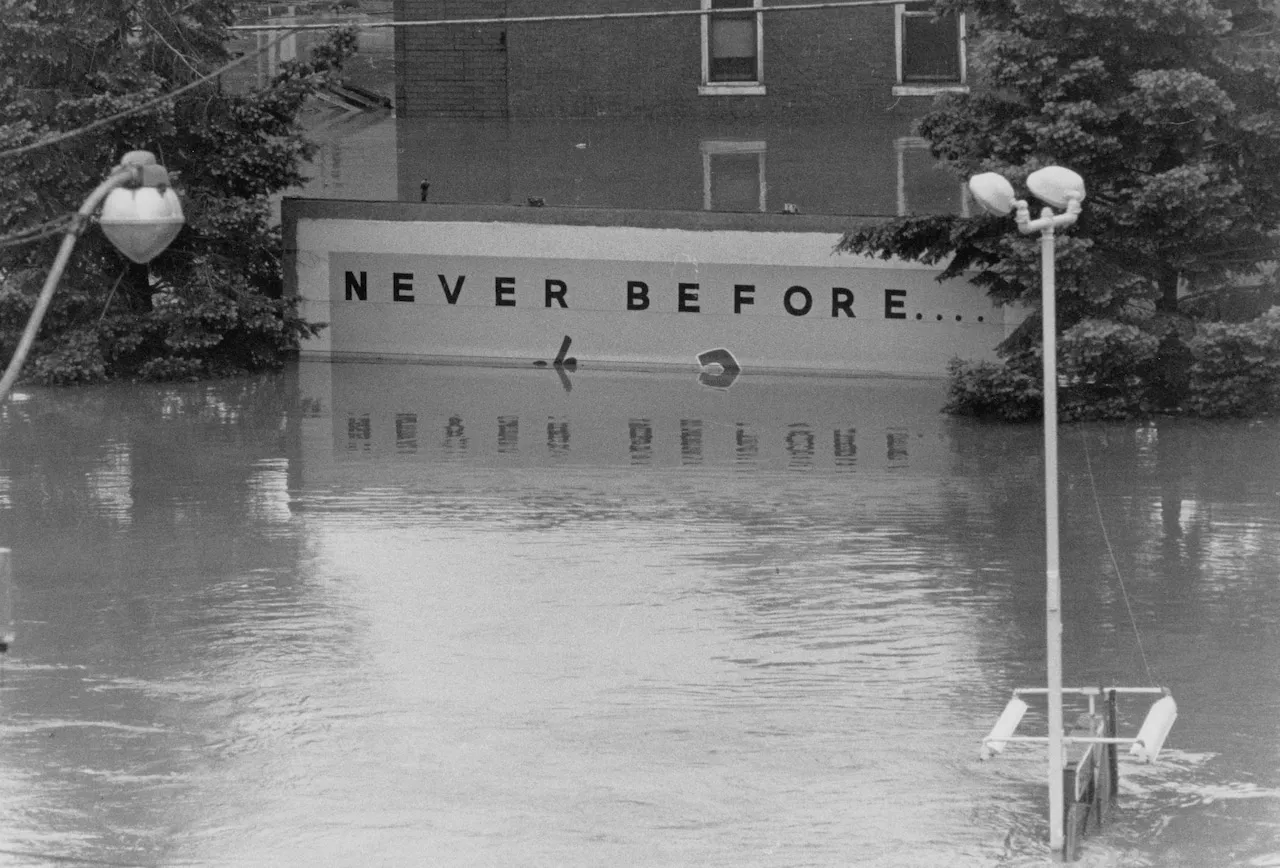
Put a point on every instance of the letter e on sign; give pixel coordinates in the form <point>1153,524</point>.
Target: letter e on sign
<point>504,290</point>
<point>402,286</point>
<point>895,304</point>
<point>688,298</point>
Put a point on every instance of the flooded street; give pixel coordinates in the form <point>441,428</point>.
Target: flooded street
<point>361,614</point>
<point>393,614</point>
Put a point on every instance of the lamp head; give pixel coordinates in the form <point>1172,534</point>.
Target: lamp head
<point>993,193</point>
<point>1056,186</point>
<point>141,219</point>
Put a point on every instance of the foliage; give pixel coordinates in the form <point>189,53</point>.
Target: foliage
<point>211,304</point>
<point>1113,370</point>
<point>1010,392</point>
<point>1097,364</point>
<point>1170,110</point>
<point>1101,363</point>
<point>1236,371</point>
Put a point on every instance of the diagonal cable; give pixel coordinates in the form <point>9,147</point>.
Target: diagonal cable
<point>1124,594</point>
<point>141,107</point>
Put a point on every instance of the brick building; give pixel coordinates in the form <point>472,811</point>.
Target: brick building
<point>743,110</point>
<point>738,62</point>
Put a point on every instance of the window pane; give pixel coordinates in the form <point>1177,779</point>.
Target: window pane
<point>927,188</point>
<point>732,38</point>
<point>930,49</point>
<point>735,182</point>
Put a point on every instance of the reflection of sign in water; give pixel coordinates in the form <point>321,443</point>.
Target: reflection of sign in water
<point>376,418</point>
<point>645,289</point>
<point>798,444</point>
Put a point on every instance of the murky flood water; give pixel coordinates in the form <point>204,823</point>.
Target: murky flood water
<point>399,615</point>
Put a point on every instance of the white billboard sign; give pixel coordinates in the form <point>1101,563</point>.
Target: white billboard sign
<point>614,289</point>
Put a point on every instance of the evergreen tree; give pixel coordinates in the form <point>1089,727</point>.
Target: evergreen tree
<point>211,304</point>
<point>1170,110</point>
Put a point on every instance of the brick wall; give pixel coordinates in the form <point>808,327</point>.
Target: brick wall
<point>627,68</point>
<point>816,63</point>
<point>455,71</point>
<point>853,164</point>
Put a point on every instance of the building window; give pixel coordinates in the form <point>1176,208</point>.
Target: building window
<point>924,186</point>
<point>732,48</point>
<point>733,176</point>
<point>930,50</point>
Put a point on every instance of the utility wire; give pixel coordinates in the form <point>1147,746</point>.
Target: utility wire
<point>586,16</point>
<point>1124,594</point>
<point>141,107</point>
<point>38,232</point>
<point>289,30</point>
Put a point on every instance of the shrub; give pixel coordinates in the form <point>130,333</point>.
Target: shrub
<point>1236,367</point>
<point>1099,362</point>
<point>1010,391</point>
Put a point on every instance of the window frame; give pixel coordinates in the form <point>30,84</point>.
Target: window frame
<point>903,88</point>
<point>731,88</point>
<point>901,147</point>
<point>712,148</point>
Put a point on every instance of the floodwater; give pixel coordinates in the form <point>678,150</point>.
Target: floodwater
<point>359,615</point>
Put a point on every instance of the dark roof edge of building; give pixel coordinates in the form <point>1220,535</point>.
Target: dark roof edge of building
<point>348,209</point>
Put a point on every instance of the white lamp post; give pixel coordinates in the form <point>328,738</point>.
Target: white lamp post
<point>1059,188</point>
<point>141,214</point>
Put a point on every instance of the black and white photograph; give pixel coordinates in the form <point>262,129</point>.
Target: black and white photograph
<point>646,433</point>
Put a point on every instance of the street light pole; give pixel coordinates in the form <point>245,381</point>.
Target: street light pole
<point>1064,189</point>
<point>157,228</point>
<point>1053,577</point>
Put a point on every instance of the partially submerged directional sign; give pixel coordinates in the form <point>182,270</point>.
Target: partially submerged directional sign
<point>719,368</point>
<point>635,289</point>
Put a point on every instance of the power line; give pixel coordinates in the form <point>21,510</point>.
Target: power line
<point>36,233</point>
<point>289,30</point>
<point>586,16</point>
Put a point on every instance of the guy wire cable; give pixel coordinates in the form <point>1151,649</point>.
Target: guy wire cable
<point>1124,594</point>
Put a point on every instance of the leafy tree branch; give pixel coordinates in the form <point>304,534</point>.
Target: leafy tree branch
<point>1170,109</point>
<point>82,82</point>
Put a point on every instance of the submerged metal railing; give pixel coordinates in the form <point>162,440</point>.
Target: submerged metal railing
<point>1090,767</point>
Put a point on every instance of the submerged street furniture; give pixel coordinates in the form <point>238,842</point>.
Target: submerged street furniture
<point>1062,188</point>
<point>1090,775</point>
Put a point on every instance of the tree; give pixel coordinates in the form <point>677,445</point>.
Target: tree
<point>212,303</point>
<point>1170,109</point>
